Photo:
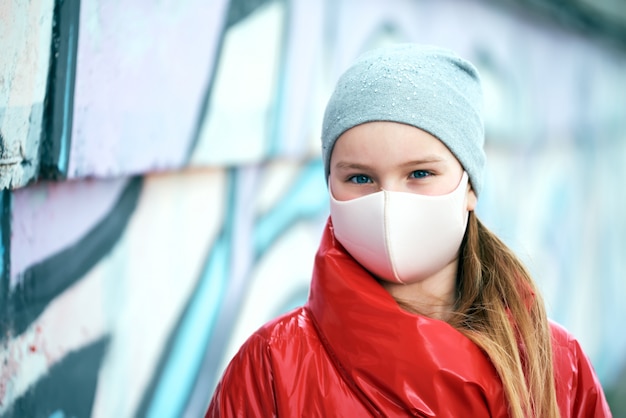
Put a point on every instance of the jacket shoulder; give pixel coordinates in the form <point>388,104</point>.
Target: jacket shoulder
<point>248,386</point>
<point>579,392</point>
<point>287,326</point>
<point>560,335</point>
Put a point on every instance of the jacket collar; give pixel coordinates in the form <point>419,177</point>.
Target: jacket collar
<point>394,360</point>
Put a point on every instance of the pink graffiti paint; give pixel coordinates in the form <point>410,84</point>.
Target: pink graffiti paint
<point>46,219</point>
<point>118,126</point>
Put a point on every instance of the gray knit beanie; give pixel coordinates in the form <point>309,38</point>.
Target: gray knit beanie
<point>427,87</point>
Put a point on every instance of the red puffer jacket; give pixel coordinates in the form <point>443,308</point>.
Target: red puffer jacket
<point>352,352</point>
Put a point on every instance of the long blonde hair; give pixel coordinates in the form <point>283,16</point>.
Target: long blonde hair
<point>500,309</point>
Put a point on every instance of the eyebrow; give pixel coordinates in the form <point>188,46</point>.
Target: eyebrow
<point>346,165</point>
<point>425,160</point>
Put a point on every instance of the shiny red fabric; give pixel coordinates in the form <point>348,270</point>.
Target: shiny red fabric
<point>352,352</point>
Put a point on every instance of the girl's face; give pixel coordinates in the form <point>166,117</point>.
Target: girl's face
<point>396,157</point>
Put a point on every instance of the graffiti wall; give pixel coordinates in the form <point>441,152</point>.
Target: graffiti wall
<point>163,192</point>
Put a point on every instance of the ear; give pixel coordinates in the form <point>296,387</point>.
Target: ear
<point>471,199</point>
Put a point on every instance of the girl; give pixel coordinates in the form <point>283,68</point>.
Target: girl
<point>415,308</point>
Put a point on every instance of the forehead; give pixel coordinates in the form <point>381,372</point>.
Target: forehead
<point>389,141</point>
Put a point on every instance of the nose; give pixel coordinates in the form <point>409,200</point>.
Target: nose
<point>392,186</point>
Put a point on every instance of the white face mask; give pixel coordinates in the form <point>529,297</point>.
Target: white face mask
<point>402,237</point>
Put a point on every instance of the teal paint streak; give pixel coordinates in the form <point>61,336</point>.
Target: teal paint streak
<point>6,209</point>
<point>192,337</point>
<point>57,414</point>
<point>308,197</point>
<point>277,110</point>
<point>196,326</point>
<point>2,249</point>
<point>63,153</point>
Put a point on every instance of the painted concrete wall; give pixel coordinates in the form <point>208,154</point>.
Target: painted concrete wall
<point>180,195</point>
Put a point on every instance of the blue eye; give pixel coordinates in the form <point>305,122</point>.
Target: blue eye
<point>360,179</point>
<point>420,174</point>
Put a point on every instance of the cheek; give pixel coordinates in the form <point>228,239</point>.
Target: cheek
<point>342,190</point>
<point>335,189</point>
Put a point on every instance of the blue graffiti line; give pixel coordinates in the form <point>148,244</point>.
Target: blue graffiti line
<point>308,197</point>
<point>2,225</point>
<point>59,414</point>
<point>192,337</point>
<point>277,110</point>
<point>63,154</point>
<point>6,207</point>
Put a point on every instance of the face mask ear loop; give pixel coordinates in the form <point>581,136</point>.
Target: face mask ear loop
<point>464,185</point>
<point>387,240</point>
